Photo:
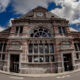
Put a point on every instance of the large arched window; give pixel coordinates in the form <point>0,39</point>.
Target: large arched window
<point>40,32</point>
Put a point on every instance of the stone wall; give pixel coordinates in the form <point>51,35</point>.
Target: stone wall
<point>38,68</point>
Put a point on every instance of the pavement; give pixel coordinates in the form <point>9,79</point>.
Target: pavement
<point>69,76</point>
<point>39,75</point>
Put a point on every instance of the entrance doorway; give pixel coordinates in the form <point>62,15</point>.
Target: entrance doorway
<point>67,62</point>
<point>14,63</point>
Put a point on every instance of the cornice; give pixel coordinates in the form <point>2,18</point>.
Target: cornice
<point>43,20</point>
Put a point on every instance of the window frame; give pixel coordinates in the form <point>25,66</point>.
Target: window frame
<point>41,33</point>
<point>62,30</point>
<point>19,29</point>
<point>37,56</point>
<point>77,46</point>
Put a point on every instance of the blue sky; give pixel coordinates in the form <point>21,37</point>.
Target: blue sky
<point>64,8</point>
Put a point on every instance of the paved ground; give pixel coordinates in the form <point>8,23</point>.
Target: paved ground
<point>71,76</point>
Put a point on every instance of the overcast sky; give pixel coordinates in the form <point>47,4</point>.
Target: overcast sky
<point>69,9</point>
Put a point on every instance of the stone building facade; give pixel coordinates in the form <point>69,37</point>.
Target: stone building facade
<point>39,42</point>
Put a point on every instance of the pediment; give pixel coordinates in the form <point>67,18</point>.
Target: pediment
<point>39,12</point>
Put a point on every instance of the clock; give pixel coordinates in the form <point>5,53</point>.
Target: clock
<point>40,14</point>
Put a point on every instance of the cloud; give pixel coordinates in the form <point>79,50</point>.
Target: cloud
<point>23,6</point>
<point>70,9</point>
<point>1,28</point>
<point>3,5</point>
<point>10,23</point>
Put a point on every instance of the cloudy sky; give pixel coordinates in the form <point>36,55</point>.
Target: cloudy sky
<point>69,9</point>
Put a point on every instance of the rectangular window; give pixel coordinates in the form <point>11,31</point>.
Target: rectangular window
<point>52,58</point>
<point>46,58</point>
<point>30,58</point>
<point>19,30</point>
<point>77,55</point>
<point>77,46</point>
<point>0,56</point>
<point>51,48</point>
<point>35,48</point>
<point>41,59</point>
<point>60,30</point>
<point>1,45</point>
<point>46,48</point>
<point>3,56</point>
<point>36,59</point>
<point>30,49</point>
<point>64,30</point>
<point>4,48</point>
<point>41,49</point>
